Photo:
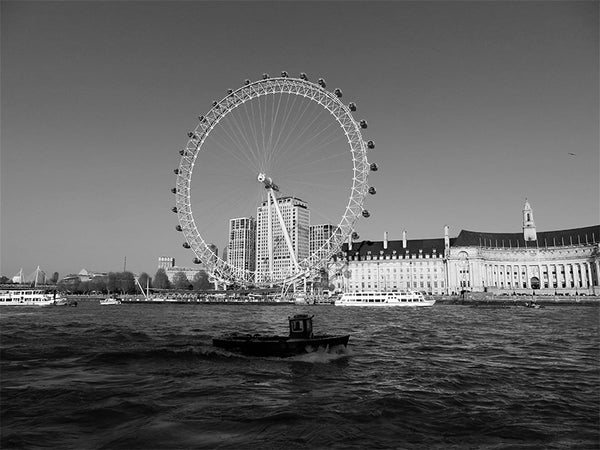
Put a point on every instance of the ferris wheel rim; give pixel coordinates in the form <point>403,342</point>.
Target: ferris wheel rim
<point>222,269</point>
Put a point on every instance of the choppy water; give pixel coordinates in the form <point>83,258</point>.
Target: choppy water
<point>147,377</point>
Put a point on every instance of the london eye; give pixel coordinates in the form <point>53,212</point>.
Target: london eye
<point>280,157</point>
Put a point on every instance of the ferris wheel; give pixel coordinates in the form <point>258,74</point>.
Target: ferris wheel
<point>270,160</point>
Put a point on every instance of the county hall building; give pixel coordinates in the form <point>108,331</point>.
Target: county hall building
<point>550,262</point>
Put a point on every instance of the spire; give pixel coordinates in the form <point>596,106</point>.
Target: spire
<point>529,232</point>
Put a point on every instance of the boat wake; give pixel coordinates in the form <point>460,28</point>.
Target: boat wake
<point>324,355</point>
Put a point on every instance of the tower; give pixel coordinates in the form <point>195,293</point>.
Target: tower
<point>529,233</point>
<point>241,250</point>
<point>273,257</point>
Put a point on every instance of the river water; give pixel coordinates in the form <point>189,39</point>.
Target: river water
<point>147,377</point>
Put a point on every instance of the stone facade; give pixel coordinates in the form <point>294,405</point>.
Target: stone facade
<point>551,262</point>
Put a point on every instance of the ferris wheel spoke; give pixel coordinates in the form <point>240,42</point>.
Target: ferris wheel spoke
<point>246,147</point>
<point>284,145</point>
<point>244,161</point>
<point>313,150</point>
<point>308,126</point>
<point>283,127</point>
<point>275,116</point>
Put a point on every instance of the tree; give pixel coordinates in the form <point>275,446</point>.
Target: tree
<point>112,282</point>
<point>5,280</point>
<point>161,281</point>
<point>84,287</point>
<point>180,281</point>
<point>127,283</point>
<point>98,284</point>
<point>201,281</point>
<point>54,278</point>
<point>144,280</point>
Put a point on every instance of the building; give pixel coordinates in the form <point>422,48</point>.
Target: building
<point>551,262</point>
<point>562,261</point>
<point>296,219</point>
<point>386,265</point>
<point>168,264</point>
<point>320,237</point>
<point>241,249</point>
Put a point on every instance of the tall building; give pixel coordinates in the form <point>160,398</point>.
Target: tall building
<point>296,218</point>
<point>241,249</point>
<point>319,237</point>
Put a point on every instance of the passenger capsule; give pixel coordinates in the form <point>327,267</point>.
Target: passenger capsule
<point>190,134</point>
<point>355,235</point>
<point>201,118</point>
<point>186,245</point>
<point>303,76</point>
<point>284,74</point>
<point>352,106</point>
<point>176,171</point>
<point>174,190</point>
<point>229,91</point>
<point>181,152</point>
<point>338,93</point>
<point>265,76</point>
<point>371,144</point>
<point>322,82</point>
<point>246,81</point>
<point>365,213</point>
<point>363,124</point>
<point>174,209</point>
<point>372,190</point>
<point>197,261</point>
<point>178,228</point>
<point>374,167</point>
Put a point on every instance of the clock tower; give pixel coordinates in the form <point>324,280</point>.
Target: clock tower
<point>529,233</point>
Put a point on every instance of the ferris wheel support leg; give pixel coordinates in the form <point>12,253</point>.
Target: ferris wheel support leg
<point>270,235</point>
<point>286,235</point>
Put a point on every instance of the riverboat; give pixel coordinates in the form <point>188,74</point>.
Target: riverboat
<point>300,340</point>
<point>394,298</point>
<point>111,301</point>
<point>28,297</point>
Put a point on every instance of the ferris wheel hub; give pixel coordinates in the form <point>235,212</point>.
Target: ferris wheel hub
<point>267,181</point>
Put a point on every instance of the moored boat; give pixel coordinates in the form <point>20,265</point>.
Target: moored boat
<point>393,298</point>
<point>111,301</point>
<point>28,297</point>
<point>300,340</point>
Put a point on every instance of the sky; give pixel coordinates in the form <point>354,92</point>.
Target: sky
<point>474,107</point>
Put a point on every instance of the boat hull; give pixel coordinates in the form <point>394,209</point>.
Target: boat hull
<point>279,346</point>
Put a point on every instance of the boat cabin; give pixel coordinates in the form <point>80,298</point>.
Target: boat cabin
<point>301,326</point>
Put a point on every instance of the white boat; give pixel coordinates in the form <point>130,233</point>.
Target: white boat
<point>111,301</point>
<point>28,297</point>
<point>371,298</point>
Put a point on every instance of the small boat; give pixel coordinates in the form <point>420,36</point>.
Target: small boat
<point>393,298</point>
<point>111,301</point>
<point>300,340</point>
<point>533,304</point>
<point>65,302</point>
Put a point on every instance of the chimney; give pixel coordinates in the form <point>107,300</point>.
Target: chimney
<point>385,240</point>
<point>404,239</point>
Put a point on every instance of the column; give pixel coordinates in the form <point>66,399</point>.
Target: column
<point>568,275</point>
<point>585,275</point>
